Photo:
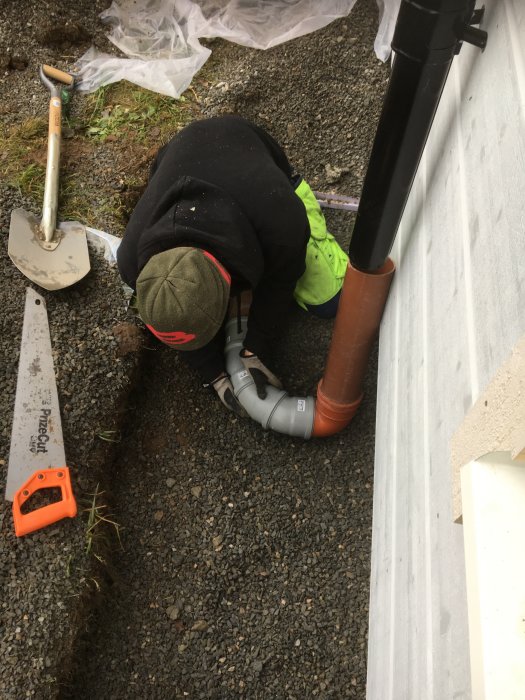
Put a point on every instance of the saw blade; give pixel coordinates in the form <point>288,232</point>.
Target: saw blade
<point>36,437</point>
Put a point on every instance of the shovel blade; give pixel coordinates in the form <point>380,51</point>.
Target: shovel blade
<point>51,269</point>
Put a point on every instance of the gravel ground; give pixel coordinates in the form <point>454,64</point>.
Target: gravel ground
<point>47,578</point>
<point>244,565</point>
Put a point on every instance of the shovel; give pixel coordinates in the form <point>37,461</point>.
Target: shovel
<point>52,258</point>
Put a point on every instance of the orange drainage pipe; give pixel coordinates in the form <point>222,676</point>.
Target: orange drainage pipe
<point>361,305</point>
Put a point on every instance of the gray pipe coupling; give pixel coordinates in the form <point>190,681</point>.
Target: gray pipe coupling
<point>286,414</point>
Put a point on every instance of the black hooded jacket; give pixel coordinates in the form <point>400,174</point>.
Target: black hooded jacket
<point>224,185</point>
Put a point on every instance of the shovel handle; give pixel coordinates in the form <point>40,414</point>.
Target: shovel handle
<point>49,209</point>
<point>57,74</point>
<point>47,515</point>
<point>55,117</point>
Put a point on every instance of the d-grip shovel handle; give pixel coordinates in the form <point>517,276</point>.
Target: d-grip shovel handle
<point>47,515</point>
<point>57,74</point>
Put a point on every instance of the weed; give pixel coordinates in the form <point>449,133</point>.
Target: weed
<point>95,582</point>
<point>81,201</point>
<point>124,110</point>
<point>30,181</point>
<point>97,100</point>
<point>33,128</point>
<point>97,516</point>
<point>17,163</point>
<point>87,579</point>
<point>109,436</point>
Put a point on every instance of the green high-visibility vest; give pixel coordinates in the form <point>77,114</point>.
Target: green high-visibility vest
<point>326,261</point>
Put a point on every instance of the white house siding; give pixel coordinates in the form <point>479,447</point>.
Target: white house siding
<point>456,309</point>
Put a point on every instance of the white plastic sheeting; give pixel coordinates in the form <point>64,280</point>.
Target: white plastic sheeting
<point>388,10</point>
<point>161,37</point>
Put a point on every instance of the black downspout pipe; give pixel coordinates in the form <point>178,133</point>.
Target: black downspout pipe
<point>428,34</point>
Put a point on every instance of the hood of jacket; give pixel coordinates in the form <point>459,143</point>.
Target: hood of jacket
<point>192,213</point>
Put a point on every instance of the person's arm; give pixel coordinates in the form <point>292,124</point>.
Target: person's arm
<point>209,363</point>
<point>266,320</point>
<point>273,297</point>
<point>209,360</point>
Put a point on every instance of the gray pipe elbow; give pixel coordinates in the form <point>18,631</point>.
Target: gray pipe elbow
<point>278,411</point>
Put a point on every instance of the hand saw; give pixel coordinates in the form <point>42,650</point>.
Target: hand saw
<point>36,459</point>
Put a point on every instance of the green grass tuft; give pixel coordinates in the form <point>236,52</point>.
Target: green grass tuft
<point>97,519</point>
<point>122,109</point>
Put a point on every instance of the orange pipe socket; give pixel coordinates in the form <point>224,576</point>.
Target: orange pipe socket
<point>340,391</point>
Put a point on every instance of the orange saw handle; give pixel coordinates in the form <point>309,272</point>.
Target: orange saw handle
<point>47,515</point>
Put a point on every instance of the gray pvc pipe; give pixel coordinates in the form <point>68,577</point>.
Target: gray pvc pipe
<point>286,414</point>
